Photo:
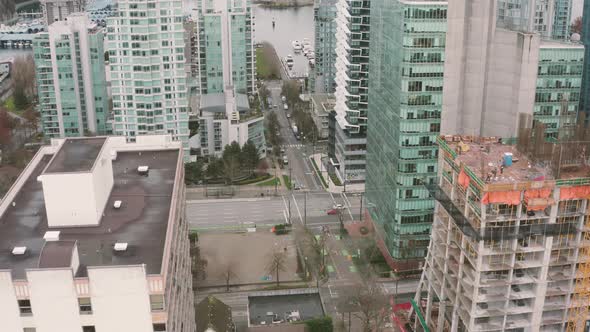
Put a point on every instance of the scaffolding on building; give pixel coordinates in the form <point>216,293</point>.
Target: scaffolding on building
<point>558,169</point>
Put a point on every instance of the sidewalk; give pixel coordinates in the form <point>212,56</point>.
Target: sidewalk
<point>355,187</point>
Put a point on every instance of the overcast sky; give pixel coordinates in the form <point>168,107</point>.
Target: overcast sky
<point>577,8</point>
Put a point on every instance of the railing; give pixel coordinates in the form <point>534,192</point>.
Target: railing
<point>155,284</point>
<point>82,287</point>
<point>21,289</point>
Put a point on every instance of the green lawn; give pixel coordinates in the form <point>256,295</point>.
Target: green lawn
<point>264,69</point>
<point>287,181</point>
<point>269,183</point>
<point>9,104</point>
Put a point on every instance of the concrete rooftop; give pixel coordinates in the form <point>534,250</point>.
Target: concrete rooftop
<point>76,155</point>
<point>141,221</point>
<point>488,157</point>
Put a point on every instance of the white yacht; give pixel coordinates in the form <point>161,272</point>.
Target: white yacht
<point>296,45</point>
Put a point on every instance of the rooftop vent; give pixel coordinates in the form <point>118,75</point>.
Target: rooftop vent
<point>143,170</point>
<point>120,246</point>
<point>17,251</point>
<point>51,236</point>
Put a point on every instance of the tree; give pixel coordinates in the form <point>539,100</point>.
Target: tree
<point>23,81</point>
<point>291,90</point>
<point>198,263</point>
<point>372,306</point>
<point>193,172</point>
<point>323,324</point>
<point>271,61</point>
<point>193,126</point>
<point>576,26</point>
<point>20,99</point>
<point>32,119</point>
<point>5,128</point>
<point>262,167</point>
<point>228,273</point>
<point>263,94</point>
<point>232,158</point>
<point>214,168</point>
<point>276,264</point>
<point>249,156</point>
<point>273,129</point>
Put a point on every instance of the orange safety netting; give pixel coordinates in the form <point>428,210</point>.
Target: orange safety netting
<point>537,199</point>
<point>463,179</point>
<point>574,192</point>
<point>502,197</point>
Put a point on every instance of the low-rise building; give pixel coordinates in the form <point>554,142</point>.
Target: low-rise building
<point>225,118</point>
<point>93,237</point>
<point>214,316</point>
<point>321,106</point>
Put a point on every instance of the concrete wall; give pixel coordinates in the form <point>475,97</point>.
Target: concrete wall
<point>70,199</point>
<point>120,299</point>
<point>53,300</point>
<point>511,82</point>
<point>8,304</point>
<point>490,73</point>
<point>102,181</point>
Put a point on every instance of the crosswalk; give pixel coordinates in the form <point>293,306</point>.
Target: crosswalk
<point>293,146</point>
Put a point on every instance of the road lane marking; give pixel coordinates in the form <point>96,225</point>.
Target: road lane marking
<point>297,206</point>
<point>347,205</point>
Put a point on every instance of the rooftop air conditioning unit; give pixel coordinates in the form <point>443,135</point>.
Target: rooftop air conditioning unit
<point>51,236</point>
<point>143,170</point>
<point>120,246</point>
<point>17,251</point>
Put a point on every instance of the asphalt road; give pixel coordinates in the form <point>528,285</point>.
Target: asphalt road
<point>310,207</point>
<point>302,172</point>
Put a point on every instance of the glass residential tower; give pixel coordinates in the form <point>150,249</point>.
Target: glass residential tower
<point>70,74</point>
<point>405,93</point>
<point>145,42</point>
<point>225,30</point>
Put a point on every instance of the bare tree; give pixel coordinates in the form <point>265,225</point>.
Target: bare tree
<point>228,273</point>
<point>5,128</point>
<point>277,262</point>
<point>198,263</point>
<point>576,26</point>
<point>291,90</point>
<point>31,117</point>
<point>23,81</point>
<point>372,306</point>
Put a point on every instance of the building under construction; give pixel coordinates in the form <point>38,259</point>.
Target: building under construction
<point>509,249</point>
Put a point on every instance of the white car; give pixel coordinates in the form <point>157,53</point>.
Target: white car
<point>285,107</point>
<point>338,206</point>
<point>283,98</point>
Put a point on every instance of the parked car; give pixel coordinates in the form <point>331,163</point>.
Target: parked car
<point>332,212</point>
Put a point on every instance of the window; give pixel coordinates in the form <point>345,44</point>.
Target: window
<point>29,329</point>
<point>157,302</point>
<point>85,306</point>
<point>25,307</point>
<point>160,327</point>
<point>88,328</point>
